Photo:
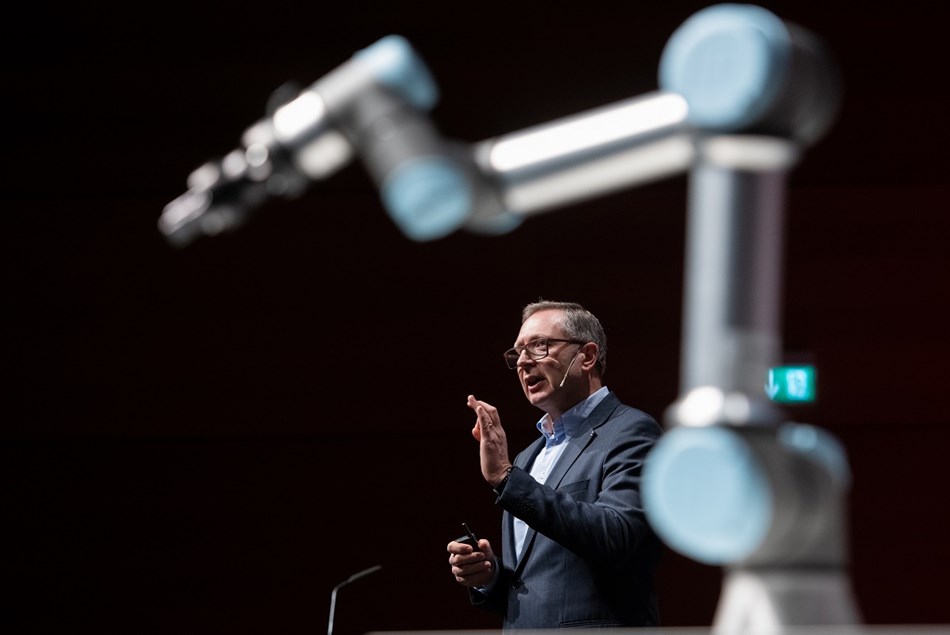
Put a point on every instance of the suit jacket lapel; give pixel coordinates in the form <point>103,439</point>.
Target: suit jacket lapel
<point>584,436</point>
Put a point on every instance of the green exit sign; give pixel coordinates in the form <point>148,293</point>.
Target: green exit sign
<point>791,384</point>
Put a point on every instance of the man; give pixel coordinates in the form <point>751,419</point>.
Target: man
<point>576,547</point>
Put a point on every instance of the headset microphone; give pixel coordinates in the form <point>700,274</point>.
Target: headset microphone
<point>567,372</point>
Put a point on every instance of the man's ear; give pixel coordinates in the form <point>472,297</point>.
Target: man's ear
<point>590,351</point>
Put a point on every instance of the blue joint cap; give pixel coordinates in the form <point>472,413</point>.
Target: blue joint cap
<point>396,66</point>
<point>729,62</point>
<point>428,198</point>
<point>707,495</point>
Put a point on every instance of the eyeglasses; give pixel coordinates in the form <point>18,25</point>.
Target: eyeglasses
<point>536,349</point>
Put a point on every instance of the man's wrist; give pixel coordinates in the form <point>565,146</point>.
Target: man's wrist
<point>501,484</point>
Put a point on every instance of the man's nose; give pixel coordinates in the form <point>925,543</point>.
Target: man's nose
<point>525,359</point>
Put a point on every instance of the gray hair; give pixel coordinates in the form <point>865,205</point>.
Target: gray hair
<point>578,323</point>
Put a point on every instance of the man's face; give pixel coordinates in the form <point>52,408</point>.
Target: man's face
<point>541,379</point>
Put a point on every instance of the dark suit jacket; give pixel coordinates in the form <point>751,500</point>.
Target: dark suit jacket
<point>589,554</point>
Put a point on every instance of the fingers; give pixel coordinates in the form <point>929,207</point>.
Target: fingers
<point>485,413</point>
<point>472,403</point>
<point>485,546</point>
<point>459,552</point>
<point>464,558</point>
<point>481,416</point>
<point>459,548</point>
<point>475,404</point>
<point>470,568</point>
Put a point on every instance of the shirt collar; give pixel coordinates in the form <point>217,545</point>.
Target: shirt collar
<point>569,422</point>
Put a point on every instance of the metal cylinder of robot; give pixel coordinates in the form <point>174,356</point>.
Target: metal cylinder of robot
<point>734,255</point>
<point>588,154</point>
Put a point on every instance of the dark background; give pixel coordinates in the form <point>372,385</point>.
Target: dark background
<point>207,440</point>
